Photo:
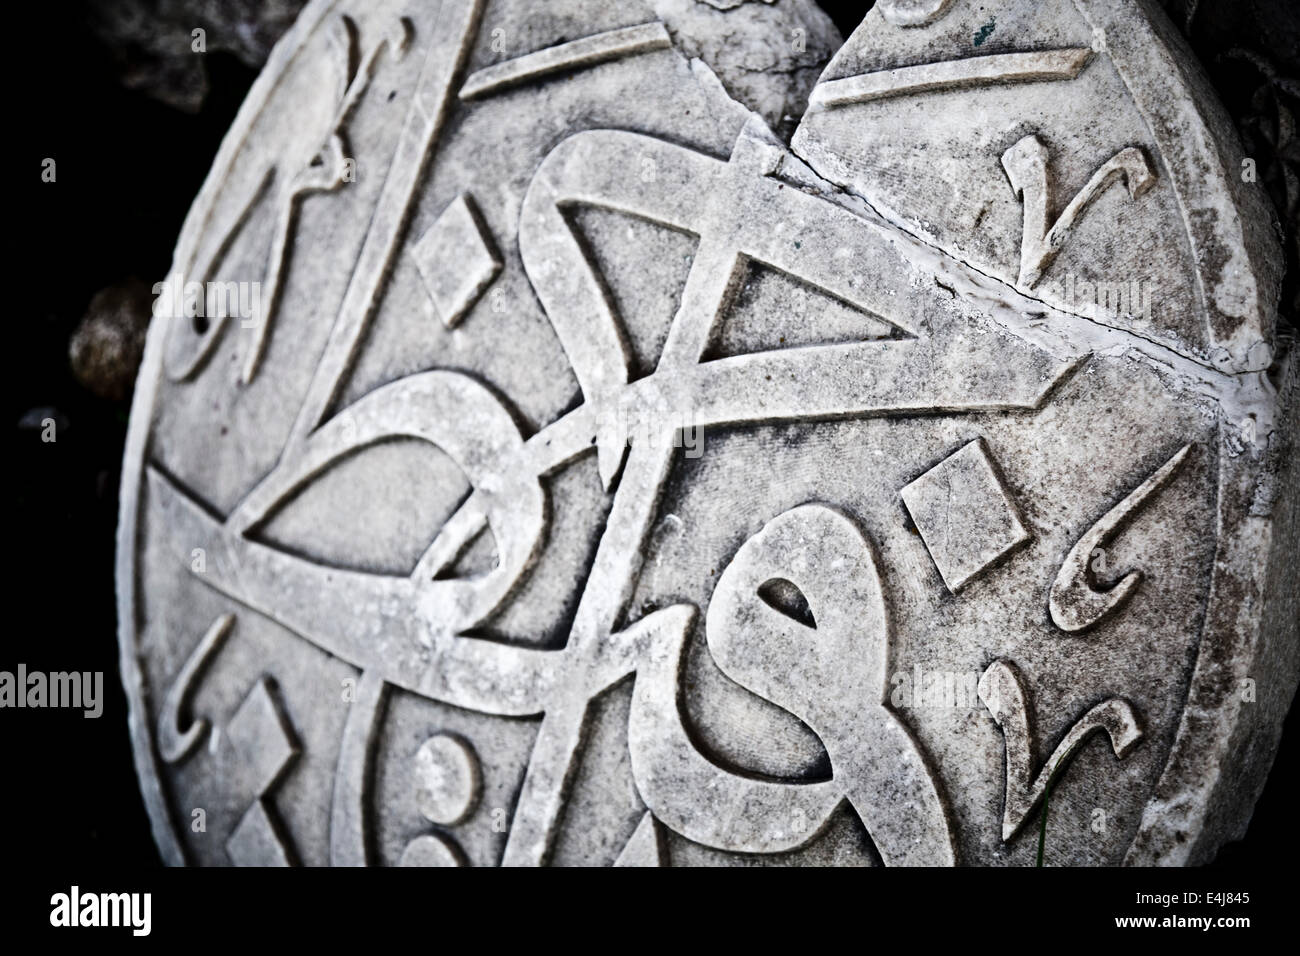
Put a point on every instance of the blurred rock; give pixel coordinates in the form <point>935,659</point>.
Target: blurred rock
<point>106,348</point>
<point>152,42</point>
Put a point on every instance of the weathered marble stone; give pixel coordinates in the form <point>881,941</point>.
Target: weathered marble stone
<point>582,475</point>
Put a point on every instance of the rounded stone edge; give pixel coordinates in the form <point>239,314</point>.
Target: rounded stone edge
<point>139,426</point>
<point>1219,760</point>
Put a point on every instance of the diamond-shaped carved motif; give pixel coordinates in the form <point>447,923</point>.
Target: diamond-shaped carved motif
<point>966,518</point>
<point>456,260</point>
<point>266,747</point>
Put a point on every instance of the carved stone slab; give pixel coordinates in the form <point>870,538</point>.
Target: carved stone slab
<point>537,460</point>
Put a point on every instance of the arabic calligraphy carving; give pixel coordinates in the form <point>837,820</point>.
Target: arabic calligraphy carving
<point>1076,604</point>
<point>1002,691</point>
<point>190,346</point>
<point>412,631</point>
<point>1028,167</point>
<point>827,667</point>
<point>831,674</point>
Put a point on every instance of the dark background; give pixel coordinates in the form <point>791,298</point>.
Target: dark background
<point>133,134</point>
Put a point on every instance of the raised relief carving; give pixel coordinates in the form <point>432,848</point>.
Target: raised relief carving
<point>575,54</point>
<point>192,345</point>
<point>414,631</point>
<point>175,742</point>
<point>1003,693</point>
<point>447,779</point>
<point>349,845</point>
<point>645,848</point>
<point>327,171</point>
<point>432,849</point>
<point>831,674</point>
<point>448,782</point>
<point>821,656</point>
<point>1028,167</point>
<point>1034,66</point>
<point>192,339</point>
<point>266,747</point>
<point>965,515</point>
<point>1197,234</point>
<point>453,34</point>
<point>456,260</point>
<point>1075,602</point>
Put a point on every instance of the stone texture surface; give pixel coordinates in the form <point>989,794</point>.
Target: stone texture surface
<point>456,236</point>
<point>964,515</point>
<point>768,55</point>
<point>647,558</point>
<point>1200,239</point>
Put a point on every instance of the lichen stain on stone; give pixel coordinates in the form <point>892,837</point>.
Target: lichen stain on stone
<point>985,31</point>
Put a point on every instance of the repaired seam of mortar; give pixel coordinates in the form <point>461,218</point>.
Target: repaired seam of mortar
<point>1229,390</point>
